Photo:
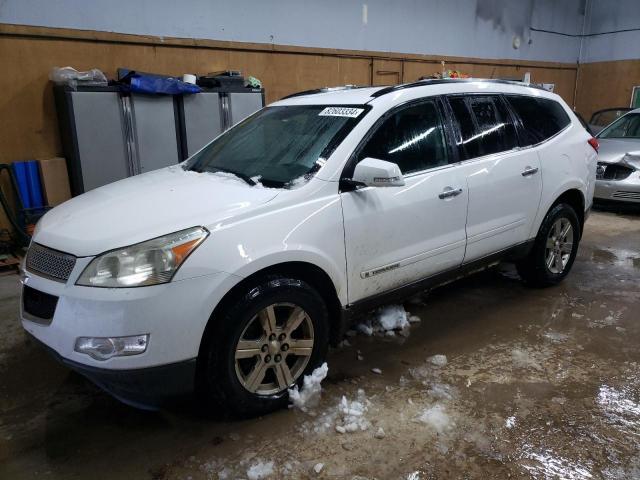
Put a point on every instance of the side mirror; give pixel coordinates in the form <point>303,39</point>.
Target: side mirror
<point>377,173</point>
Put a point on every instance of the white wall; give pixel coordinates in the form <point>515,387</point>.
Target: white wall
<point>612,15</point>
<point>470,28</point>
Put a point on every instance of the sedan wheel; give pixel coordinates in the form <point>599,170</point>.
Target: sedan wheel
<point>274,349</point>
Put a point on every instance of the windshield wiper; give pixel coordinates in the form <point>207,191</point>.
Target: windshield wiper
<point>241,176</point>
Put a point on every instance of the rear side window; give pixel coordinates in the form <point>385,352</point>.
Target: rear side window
<point>413,138</point>
<point>541,118</point>
<point>485,125</point>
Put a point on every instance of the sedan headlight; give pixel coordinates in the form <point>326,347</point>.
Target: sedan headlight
<point>148,263</point>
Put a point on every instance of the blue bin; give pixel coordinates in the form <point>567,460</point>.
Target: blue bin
<point>20,174</point>
<point>33,182</point>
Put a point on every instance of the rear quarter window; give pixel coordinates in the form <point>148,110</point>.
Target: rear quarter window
<point>541,118</point>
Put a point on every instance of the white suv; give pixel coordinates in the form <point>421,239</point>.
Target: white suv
<point>231,273</point>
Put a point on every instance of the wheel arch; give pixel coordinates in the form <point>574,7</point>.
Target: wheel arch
<point>574,198</point>
<point>305,271</point>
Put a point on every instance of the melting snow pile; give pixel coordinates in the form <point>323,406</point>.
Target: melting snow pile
<point>386,320</point>
<point>437,418</point>
<point>351,414</point>
<point>309,396</point>
<point>522,358</point>
<point>510,422</point>
<point>438,360</point>
<point>441,391</point>
<point>260,470</point>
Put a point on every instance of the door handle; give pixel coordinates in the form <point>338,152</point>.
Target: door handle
<point>530,171</point>
<point>450,192</point>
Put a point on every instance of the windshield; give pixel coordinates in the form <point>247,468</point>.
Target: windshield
<point>625,127</point>
<point>278,146</point>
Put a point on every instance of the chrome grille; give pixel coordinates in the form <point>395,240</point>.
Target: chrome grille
<point>50,263</point>
<point>629,195</point>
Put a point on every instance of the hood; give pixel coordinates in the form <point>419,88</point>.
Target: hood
<point>144,207</point>
<point>612,150</point>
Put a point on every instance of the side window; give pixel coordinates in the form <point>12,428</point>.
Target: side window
<point>413,138</point>
<point>485,125</point>
<point>541,118</point>
<point>469,142</point>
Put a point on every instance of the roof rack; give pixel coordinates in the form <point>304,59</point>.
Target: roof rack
<point>324,90</point>
<point>438,81</point>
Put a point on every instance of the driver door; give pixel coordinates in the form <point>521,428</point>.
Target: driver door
<point>397,235</point>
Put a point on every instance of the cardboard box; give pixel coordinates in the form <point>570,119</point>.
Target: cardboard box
<point>55,181</point>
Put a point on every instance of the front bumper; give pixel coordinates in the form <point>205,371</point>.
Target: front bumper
<point>627,190</point>
<point>145,388</point>
<point>174,315</point>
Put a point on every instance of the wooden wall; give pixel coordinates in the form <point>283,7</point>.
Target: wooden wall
<point>28,126</point>
<point>606,85</point>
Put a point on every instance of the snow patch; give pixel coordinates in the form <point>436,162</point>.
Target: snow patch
<point>522,359</point>
<point>437,418</point>
<point>392,317</point>
<point>387,321</point>
<point>309,396</point>
<point>510,422</point>
<point>441,391</point>
<point>438,360</point>
<point>260,470</point>
<point>556,336</point>
<point>299,181</point>
<point>351,414</point>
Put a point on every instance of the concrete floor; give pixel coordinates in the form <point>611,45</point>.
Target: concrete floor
<point>538,384</point>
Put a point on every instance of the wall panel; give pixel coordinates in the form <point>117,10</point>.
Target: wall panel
<point>605,85</point>
<point>28,125</point>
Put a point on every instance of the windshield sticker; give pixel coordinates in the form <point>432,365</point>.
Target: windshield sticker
<point>341,112</point>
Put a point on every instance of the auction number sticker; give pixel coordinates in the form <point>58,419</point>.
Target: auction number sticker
<point>341,112</point>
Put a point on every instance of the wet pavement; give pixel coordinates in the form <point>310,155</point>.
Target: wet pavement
<point>536,384</point>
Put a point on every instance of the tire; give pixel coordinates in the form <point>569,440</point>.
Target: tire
<point>535,269</point>
<point>231,382</point>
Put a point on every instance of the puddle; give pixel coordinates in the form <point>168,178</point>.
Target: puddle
<point>603,256</point>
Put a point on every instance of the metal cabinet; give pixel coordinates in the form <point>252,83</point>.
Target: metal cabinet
<point>108,135</point>
<point>202,120</point>
<point>209,113</point>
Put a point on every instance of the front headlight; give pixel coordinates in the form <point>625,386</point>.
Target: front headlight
<point>148,263</point>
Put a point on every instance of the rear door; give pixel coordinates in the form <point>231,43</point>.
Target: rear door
<point>504,181</point>
<point>397,235</point>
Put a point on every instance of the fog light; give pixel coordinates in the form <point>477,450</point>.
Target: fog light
<point>104,348</point>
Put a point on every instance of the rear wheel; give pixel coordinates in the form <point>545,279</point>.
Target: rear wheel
<point>555,248</point>
<point>274,334</point>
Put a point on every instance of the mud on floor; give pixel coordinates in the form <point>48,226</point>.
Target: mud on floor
<point>496,381</point>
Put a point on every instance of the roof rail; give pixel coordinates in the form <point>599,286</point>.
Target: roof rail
<point>323,90</point>
<point>438,81</point>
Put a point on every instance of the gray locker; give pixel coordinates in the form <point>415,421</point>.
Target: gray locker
<point>244,104</point>
<point>99,138</point>
<point>154,127</point>
<point>202,120</point>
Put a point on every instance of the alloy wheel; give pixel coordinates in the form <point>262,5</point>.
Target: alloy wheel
<point>274,349</point>
<point>559,246</point>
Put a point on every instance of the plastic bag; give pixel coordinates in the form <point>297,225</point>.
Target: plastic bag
<point>70,76</point>
<point>163,85</point>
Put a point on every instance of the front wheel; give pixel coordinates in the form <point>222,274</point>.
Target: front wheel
<point>261,346</point>
<point>554,250</point>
